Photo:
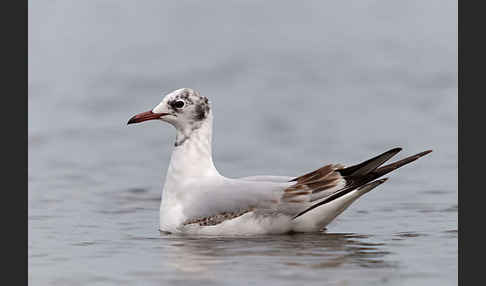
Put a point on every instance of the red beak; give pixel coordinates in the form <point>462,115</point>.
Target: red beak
<point>144,116</point>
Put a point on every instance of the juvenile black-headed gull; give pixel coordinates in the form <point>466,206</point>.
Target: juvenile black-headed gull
<point>197,199</point>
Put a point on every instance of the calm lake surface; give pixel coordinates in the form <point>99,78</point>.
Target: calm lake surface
<point>293,86</point>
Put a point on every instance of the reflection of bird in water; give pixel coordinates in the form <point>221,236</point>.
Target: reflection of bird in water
<point>197,199</point>
<point>209,255</point>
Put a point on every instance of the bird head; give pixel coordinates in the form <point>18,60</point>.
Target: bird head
<point>184,108</point>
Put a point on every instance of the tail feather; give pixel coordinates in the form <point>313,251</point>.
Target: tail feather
<point>393,166</point>
<point>365,188</point>
<point>370,186</point>
<point>362,175</point>
<point>369,165</point>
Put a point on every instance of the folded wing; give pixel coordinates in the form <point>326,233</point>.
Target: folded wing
<point>354,177</point>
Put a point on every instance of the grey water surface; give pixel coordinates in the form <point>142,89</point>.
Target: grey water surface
<point>294,85</point>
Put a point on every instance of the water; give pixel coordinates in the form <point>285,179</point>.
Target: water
<point>293,86</point>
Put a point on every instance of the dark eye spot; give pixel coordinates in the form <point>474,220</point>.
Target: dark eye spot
<point>179,104</point>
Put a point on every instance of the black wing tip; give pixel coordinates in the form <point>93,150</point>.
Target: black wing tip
<point>414,157</point>
<point>419,155</point>
<point>375,174</point>
<point>392,151</point>
<point>424,153</point>
<point>370,164</point>
<point>398,149</point>
<point>395,150</point>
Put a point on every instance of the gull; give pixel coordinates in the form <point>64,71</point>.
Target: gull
<point>197,199</point>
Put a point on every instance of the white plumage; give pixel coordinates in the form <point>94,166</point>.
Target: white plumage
<point>197,199</point>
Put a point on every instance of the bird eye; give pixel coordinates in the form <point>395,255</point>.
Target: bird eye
<point>179,104</point>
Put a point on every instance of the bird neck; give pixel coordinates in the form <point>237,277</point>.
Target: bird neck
<point>192,154</point>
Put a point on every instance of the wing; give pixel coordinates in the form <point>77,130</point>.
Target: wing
<point>314,185</point>
<point>230,198</point>
<point>362,176</point>
<point>331,178</point>
<point>265,194</point>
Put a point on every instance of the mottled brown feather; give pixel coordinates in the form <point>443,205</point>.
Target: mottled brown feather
<point>321,172</point>
<point>216,219</point>
<point>291,195</point>
<point>364,173</point>
<point>316,181</point>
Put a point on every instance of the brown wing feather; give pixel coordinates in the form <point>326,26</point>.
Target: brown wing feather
<point>305,186</point>
<point>361,174</point>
